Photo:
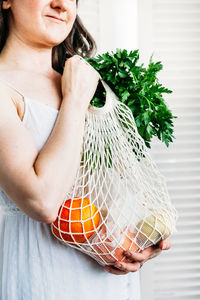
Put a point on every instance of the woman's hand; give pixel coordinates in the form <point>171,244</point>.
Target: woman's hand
<point>79,82</point>
<point>137,259</point>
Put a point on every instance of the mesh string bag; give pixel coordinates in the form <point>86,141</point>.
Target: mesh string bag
<point>119,200</point>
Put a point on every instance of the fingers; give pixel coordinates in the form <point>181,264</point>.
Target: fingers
<point>116,271</point>
<point>140,257</point>
<point>147,253</point>
<point>85,62</point>
<point>80,80</point>
<point>81,58</point>
<point>77,58</point>
<point>128,267</point>
<point>121,268</point>
<point>165,244</point>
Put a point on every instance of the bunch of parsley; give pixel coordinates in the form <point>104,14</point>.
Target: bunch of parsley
<point>137,87</point>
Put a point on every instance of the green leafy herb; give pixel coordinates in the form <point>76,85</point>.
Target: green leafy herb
<point>139,88</point>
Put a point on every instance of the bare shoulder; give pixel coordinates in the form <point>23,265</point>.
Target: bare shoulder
<point>6,97</point>
<point>17,147</point>
<point>10,100</point>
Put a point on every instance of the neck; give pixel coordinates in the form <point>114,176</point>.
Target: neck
<point>29,58</point>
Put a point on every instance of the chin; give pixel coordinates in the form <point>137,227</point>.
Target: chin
<point>52,41</point>
<point>56,42</point>
<point>56,37</point>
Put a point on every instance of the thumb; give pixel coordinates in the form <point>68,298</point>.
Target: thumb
<point>165,244</point>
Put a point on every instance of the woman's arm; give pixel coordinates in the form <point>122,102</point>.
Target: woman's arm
<point>38,183</point>
<point>57,163</point>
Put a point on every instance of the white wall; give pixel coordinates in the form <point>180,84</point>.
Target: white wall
<point>113,23</point>
<point>118,25</point>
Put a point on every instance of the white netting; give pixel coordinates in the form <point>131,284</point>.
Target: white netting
<point>119,200</point>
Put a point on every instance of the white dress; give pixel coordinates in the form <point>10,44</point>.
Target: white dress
<point>36,266</point>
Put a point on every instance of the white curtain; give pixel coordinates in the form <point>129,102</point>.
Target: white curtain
<point>172,30</point>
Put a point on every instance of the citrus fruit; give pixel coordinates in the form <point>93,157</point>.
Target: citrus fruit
<point>77,220</point>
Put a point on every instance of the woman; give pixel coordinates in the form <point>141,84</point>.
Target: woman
<point>43,101</point>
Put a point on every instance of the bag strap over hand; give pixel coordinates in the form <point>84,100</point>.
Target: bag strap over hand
<point>110,99</point>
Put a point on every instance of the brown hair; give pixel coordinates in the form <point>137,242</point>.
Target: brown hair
<point>79,41</point>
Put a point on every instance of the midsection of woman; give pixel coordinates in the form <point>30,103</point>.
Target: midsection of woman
<point>41,130</point>
<point>33,264</point>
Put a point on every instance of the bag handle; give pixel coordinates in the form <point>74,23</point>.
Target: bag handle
<point>110,99</point>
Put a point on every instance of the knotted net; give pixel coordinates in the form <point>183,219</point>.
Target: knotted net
<point>119,200</point>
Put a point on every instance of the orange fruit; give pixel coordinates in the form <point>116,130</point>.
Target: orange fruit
<point>105,250</point>
<point>77,220</point>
